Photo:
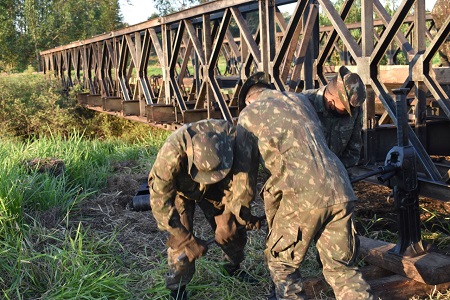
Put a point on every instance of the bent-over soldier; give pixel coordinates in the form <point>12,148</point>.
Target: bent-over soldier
<point>307,197</point>
<point>193,167</point>
<point>338,105</point>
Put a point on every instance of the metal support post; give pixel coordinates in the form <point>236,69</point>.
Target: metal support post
<point>404,184</point>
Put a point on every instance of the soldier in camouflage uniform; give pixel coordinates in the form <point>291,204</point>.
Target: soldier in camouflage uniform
<point>440,12</point>
<point>193,166</point>
<point>341,115</point>
<point>307,197</point>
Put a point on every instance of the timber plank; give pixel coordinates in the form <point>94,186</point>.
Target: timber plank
<point>384,284</point>
<point>160,113</point>
<point>316,287</point>
<point>430,268</point>
<point>397,74</point>
<point>397,287</point>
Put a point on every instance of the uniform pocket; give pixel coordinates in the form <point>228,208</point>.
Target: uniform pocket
<point>351,253</point>
<point>281,241</point>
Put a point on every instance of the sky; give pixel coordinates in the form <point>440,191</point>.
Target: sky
<point>138,11</point>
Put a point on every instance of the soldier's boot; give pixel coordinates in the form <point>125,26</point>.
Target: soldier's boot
<point>179,294</point>
<point>242,275</point>
<point>272,294</point>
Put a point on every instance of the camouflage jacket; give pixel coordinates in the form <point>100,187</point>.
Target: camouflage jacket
<point>169,178</point>
<point>342,132</point>
<point>283,132</point>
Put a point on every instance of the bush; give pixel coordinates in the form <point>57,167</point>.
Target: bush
<point>32,106</point>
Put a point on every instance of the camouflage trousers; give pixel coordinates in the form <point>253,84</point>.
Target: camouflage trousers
<point>181,272</point>
<point>332,229</point>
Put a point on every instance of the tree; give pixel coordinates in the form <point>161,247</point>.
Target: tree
<point>8,34</point>
<point>165,7</point>
<point>30,26</point>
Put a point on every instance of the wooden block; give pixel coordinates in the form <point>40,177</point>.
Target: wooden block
<point>384,284</point>
<point>370,272</point>
<point>94,100</point>
<point>315,286</point>
<point>131,108</point>
<point>397,287</point>
<point>112,104</point>
<point>82,98</point>
<point>430,268</point>
<point>160,113</point>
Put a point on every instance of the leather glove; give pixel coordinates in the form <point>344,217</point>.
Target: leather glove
<point>254,223</point>
<point>193,247</point>
<point>226,229</point>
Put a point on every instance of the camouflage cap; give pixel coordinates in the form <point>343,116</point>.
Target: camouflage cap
<point>349,87</point>
<point>257,78</point>
<point>210,150</point>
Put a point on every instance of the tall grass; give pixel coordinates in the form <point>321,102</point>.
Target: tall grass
<point>63,263</point>
<point>70,264</point>
<point>32,106</point>
<point>64,260</point>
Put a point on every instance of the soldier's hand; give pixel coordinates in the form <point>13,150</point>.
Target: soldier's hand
<point>193,247</point>
<point>226,229</point>
<point>254,223</point>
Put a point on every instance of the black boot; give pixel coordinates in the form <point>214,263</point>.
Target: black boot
<point>179,294</point>
<point>236,271</point>
<point>272,295</point>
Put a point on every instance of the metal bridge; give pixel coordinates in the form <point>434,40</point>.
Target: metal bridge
<point>190,66</point>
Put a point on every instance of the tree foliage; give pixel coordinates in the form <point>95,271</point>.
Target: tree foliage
<point>30,26</point>
<point>165,7</point>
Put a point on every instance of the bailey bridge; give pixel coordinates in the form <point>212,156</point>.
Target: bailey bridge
<point>190,66</point>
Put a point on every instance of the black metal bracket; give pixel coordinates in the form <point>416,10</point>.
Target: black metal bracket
<point>405,185</point>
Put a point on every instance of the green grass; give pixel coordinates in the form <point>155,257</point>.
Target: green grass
<point>66,259</point>
<point>64,263</point>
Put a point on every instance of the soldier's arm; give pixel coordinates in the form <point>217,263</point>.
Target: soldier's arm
<point>245,172</point>
<point>352,152</point>
<point>310,92</point>
<point>162,186</point>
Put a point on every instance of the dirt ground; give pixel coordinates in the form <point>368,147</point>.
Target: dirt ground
<point>138,233</point>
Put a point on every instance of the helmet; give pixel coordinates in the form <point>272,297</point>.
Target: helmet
<point>349,87</point>
<point>210,150</point>
<point>257,78</point>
